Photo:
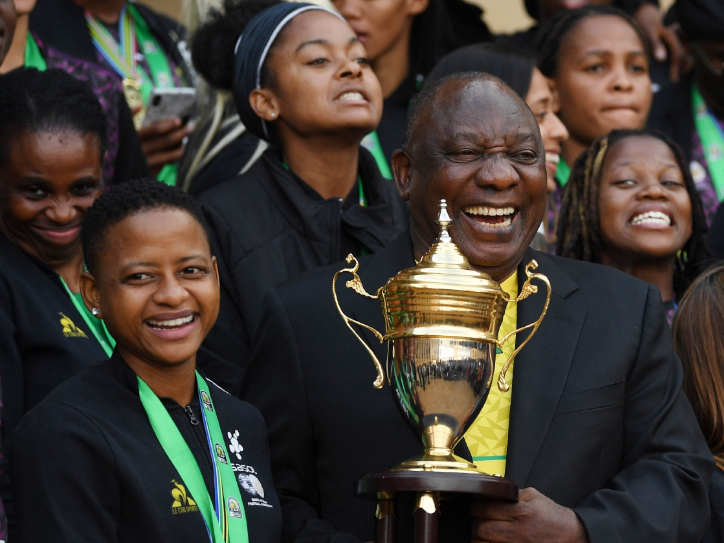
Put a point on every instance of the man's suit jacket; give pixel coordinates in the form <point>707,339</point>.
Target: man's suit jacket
<point>598,420</point>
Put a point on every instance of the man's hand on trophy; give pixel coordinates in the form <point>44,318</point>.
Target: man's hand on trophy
<point>534,519</point>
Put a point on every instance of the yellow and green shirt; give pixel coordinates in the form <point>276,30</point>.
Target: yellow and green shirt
<point>487,437</point>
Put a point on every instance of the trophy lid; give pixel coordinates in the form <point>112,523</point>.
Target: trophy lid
<point>443,296</point>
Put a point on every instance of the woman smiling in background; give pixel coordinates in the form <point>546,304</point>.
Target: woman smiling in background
<point>52,142</point>
<point>631,204</point>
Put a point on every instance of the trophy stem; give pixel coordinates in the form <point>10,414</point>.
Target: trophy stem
<point>438,455</point>
<point>448,462</point>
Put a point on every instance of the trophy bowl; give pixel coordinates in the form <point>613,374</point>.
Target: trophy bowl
<point>442,319</point>
<point>440,384</point>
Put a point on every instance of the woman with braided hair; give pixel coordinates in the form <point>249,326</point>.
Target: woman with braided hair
<point>631,204</point>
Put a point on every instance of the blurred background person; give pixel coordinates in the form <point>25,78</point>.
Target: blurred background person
<point>663,40</point>
<point>124,157</point>
<point>699,341</point>
<point>220,147</point>
<point>52,140</point>
<point>92,29</point>
<point>692,112</point>
<point>631,204</point>
<point>8,21</point>
<point>404,40</point>
<point>517,68</point>
<point>315,195</point>
<point>598,61</point>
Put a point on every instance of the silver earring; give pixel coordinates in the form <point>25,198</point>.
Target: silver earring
<point>95,311</point>
<point>273,115</point>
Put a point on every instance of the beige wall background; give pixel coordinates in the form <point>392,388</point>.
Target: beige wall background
<point>502,16</point>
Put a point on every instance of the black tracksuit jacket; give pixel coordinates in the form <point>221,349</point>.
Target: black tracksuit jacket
<point>87,466</point>
<point>269,226</point>
<point>43,340</point>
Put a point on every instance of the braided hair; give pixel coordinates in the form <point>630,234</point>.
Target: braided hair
<point>578,230</point>
<point>555,29</point>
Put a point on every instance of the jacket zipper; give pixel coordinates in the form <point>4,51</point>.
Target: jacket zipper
<point>200,433</point>
<point>190,413</point>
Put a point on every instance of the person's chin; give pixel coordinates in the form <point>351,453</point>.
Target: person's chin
<point>621,119</point>
<point>174,355</point>
<point>491,247</point>
<point>357,126</point>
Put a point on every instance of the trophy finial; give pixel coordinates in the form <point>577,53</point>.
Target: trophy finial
<point>444,221</point>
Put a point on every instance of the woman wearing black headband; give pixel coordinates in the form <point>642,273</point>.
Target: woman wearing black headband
<point>303,83</point>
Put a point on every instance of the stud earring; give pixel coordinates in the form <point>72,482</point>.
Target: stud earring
<point>95,311</point>
<point>273,115</point>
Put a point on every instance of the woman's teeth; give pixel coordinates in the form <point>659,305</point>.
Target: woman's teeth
<point>652,217</point>
<point>553,158</point>
<point>170,324</point>
<point>350,96</point>
<point>499,217</point>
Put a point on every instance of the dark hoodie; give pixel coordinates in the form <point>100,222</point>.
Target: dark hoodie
<point>269,226</point>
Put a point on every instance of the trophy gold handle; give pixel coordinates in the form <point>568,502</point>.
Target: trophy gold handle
<point>356,284</point>
<point>526,291</point>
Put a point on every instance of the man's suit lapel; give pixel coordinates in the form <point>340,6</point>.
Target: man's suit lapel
<point>541,368</point>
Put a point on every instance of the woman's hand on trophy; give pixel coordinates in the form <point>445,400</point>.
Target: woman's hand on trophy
<point>534,519</point>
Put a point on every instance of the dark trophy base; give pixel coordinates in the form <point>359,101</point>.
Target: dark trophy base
<point>427,488</point>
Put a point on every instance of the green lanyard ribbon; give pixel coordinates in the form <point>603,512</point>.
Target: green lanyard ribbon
<point>563,172</point>
<point>712,139</point>
<point>371,142</point>
<point>98,328</point>
<point>33,56</point>
<point>225,518</point>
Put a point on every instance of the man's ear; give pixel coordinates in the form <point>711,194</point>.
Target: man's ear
<point>264,104</point>
<point>402,171</point>
<point>90,293</point>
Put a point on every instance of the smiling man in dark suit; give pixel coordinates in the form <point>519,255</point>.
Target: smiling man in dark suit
<point>601,440</point>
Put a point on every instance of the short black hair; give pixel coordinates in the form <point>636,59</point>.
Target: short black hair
<point>425,98</point>
<point>125,200</point>
<point>50,101</point>
<point>213,44</point>
<point>555,29</point>
<point>578,233</point>
<point>512,65</point>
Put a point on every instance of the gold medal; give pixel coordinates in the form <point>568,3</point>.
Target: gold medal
<point>134,99</point>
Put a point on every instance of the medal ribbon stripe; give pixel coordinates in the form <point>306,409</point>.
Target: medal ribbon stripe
<point>222,525</point>
<point>122,59</point>
<point>712,140</point>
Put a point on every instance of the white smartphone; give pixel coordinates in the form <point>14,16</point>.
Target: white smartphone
<point>165,103</point>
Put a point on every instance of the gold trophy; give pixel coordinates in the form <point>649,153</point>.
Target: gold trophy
<point>442,319</point>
